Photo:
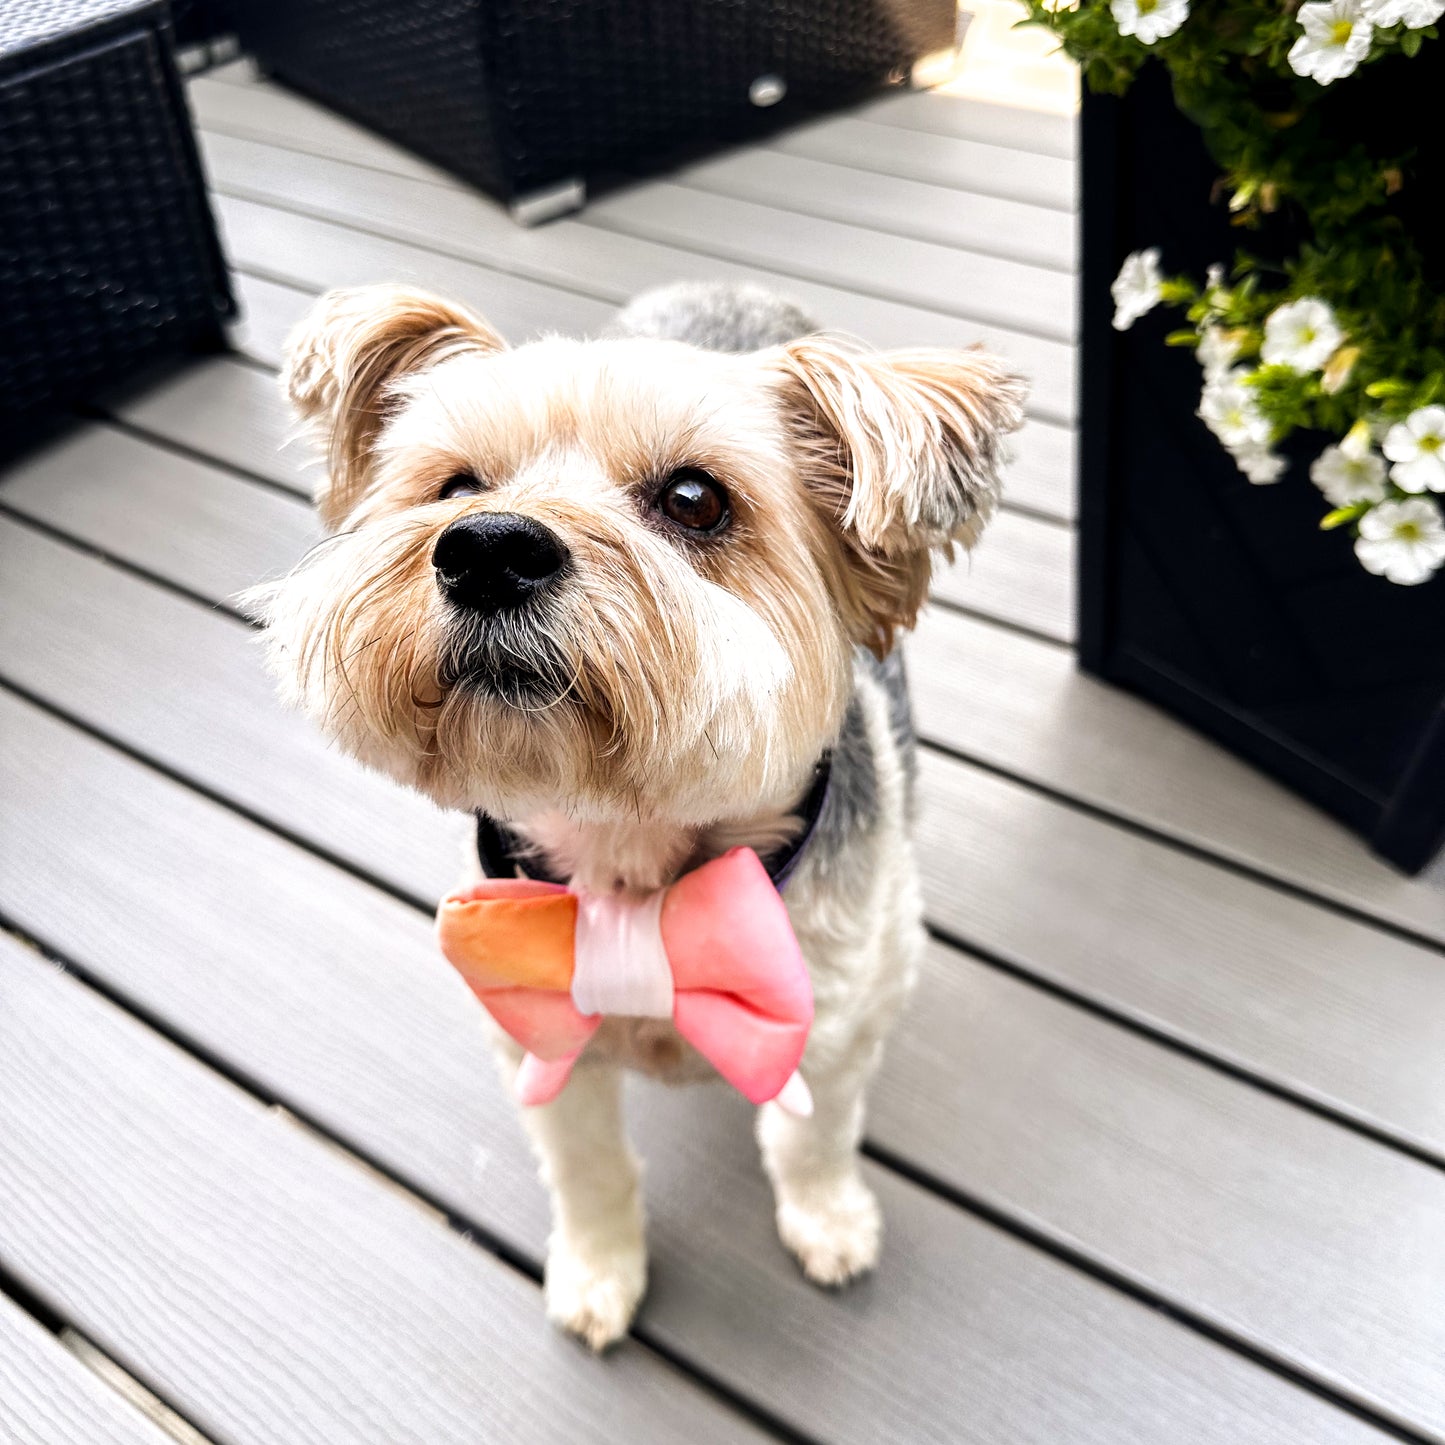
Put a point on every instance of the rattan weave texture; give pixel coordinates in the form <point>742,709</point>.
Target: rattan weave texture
<point>108,254</point>
<point>517,95</point>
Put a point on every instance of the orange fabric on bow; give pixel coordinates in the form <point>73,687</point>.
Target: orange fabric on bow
<point>715,952</point>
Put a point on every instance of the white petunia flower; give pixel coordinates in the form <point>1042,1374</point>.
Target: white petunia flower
<point>1417,448</point>
<point>1336,38</point>
<point>1303,335</point>
<point>1149,20</point>
<point>1349,473</point>
<point>1218,351</point>
<point>1404,541</point>
<point>1137,289</point>
<point>1416,14</point>
<point>1228,408</point>
<point>1259,464</point>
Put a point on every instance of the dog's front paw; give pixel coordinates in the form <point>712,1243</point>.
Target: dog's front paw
<point>836,1236</point>
<point>594,1293</point>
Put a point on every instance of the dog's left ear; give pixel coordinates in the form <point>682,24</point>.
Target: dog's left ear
<point>342,360</point>
<point>902,451</point>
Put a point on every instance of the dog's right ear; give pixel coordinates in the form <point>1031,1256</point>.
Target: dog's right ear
<point>342,360</point>
<point>902,452</point>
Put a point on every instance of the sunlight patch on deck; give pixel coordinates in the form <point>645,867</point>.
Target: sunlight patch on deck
<point>1009,66</point>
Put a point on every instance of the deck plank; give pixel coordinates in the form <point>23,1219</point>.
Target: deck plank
<point>47,1397</point>
<point>1314,1245</point>
<point>990,289</point>
<point>1042,471</point>
<point>1021,572</point>
<point>306,255</point>
<point>275,1291</point>
<point>1329,1008</point>
<point>268,112</point>
<point>940,160</point>
<point>938,111</point>
<point>227,412</point>
<point>977,221</point>
<point>978,120</point>
<point>106,488</point>
<point>242,71</point>
<point>1024,707</point>
<point>269,309</point>
<point>892,204</point>
<point>970,1100</point>
<point>315,255</point>
<point>196,699</point>
<point>566,253</point>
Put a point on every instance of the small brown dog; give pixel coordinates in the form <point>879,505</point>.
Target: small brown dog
<point>631,599</point>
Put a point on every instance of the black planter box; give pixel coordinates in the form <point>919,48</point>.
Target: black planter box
<point>521,97</point>
<point>1223,601</point>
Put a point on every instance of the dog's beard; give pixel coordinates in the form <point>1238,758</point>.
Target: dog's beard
<point>515,660</point>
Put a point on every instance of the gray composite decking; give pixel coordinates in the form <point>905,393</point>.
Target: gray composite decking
<point>1161,1142</point>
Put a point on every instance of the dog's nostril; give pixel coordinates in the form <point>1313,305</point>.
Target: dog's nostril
<point>496,560</point>
<point>536,556</point>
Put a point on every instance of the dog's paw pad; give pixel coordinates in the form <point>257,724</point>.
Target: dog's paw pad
<point>835,1239</point>
<point>594,1297</point>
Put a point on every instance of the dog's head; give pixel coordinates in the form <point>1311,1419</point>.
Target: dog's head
<point>620,578</point>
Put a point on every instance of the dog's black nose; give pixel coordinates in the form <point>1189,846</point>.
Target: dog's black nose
<point>496,560</point>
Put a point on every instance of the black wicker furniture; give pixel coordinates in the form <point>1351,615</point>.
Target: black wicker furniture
<point>108,253</point>
<point>533,99</point>
<point>201,22</point>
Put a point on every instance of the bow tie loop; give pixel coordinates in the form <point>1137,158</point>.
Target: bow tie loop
<point>715,952</point>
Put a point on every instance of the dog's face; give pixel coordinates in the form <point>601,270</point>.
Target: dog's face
<point>617,578</point>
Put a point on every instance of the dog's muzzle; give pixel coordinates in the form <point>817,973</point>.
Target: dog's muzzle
<point>495,562</point>
<point>494,569</point>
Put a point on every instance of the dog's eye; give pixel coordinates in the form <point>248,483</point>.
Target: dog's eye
<point>693,500</point>
<point>464,484</point>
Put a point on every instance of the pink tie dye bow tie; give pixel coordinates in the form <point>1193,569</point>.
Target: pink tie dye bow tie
<point>715,953</point>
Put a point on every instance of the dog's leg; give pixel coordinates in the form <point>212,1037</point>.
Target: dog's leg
<point>596,1256</point>
<point>827,1215</point>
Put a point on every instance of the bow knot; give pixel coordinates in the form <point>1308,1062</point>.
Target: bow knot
<point>714,952</point>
